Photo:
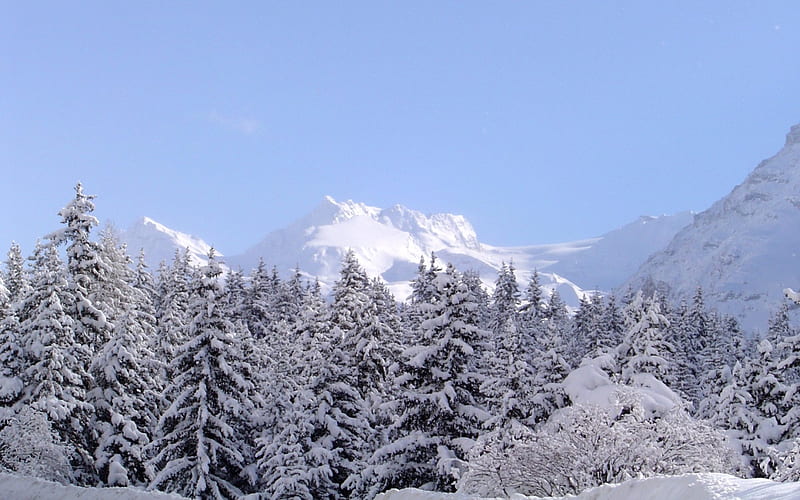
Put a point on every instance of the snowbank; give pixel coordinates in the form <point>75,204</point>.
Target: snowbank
<point>25,488</point>
<point>686,487</point>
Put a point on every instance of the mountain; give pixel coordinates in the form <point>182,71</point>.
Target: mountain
<point>160,243</point>
<point>616,255</point>
<point>390,243</point>
<point>743,251</point>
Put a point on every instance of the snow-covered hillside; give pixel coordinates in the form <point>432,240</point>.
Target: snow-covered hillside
<point>618,254</point>
<point>685,487</point>
<point>744,250</point>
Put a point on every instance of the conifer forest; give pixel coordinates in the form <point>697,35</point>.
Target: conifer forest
<point>217,383</point>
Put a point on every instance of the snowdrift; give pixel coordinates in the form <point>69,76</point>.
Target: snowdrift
<point>686,487</point>
<point>25,488</point>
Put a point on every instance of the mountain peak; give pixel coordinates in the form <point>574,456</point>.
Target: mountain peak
<point>793,137</point>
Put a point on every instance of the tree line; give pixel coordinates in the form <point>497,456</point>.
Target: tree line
<point>214,385</point>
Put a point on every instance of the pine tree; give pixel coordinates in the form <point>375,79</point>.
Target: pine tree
<point>438,418</point>
<point>87,269</point>
<point>15,279</point>
<point>550,367</point>
<point>511,385</point>
<point>767,393</point>
<point>56,380</point>
<point>645,349</point>
<point>122,409</point>
<point>199,447</point>
<point>261,296</point>
<point>505,299</point>
<point>532,308</point>
<point>588,324</point>
<point>172,312</point>
<point>292,461</point>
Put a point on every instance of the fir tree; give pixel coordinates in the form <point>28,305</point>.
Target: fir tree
<point>199,450</point>
<point>87,269</point>
<point>56,380</point>
<point>438,418</point>
<point>645,349</point>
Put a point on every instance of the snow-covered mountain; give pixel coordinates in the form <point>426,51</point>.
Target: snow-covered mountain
<point>616,255</point>
<point>160,242</point>
<point>390,243</point>
<point>745,249</point>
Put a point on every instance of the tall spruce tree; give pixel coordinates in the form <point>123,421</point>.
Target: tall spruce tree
<point>87,270</point>
<point>438,418</point>
<point>200,450</point>
<point>56,379</point>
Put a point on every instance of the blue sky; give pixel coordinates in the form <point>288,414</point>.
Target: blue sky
<point>539,121</point>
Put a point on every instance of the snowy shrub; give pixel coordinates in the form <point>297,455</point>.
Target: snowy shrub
<point>29,447</point>
<point>789,464</point>
<point>585,445</point>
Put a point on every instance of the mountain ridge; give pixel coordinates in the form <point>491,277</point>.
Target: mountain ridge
<point>743,250</point>
<point>389,243</point>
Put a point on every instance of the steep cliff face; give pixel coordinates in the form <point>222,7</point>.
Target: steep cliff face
<point>743,251</point>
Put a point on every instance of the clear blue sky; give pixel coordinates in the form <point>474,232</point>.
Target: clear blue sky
<point>539,121</point>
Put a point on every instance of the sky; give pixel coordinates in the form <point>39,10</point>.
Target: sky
<point>540,121</point>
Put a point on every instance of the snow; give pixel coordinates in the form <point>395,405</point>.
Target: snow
<point>743,250</point>
<point>686,487</point>
<point>390,242</point>
<point>590,385</point>
<point>160,243</point>
<point>25,488</point>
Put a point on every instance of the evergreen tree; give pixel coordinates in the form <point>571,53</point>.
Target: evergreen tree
<point>199,447</point>
<point>87,270</point>
<point>261,295</point>
<point>532,308</point>
<point>172,316</point>
<point>16,281</point>
<point>645,349</point>
<point>122,410</point>
<point>550,367</point>
<point>588,323</point>
<point>438,418</point>
<point>56,380</point>
<point>511,383</point>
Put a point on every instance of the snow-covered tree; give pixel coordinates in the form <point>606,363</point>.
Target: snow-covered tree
<point>16,281</point>
<point>30,447</point>
<point>505,299</point>
<point>56,378</point>
<point>438,418</point>
<point>123,411</point>
<point>172,312</point>
<point>199,448</point>
<point>644,348</point>
<point>584,446</point>
<point>87,268</point>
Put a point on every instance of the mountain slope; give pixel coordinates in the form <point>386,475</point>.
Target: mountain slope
<point>160,243</point>
<point>743,251</point>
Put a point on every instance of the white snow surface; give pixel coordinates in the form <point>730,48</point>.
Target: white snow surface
<point>14,487</point>
<point>590,385</point>
<point>745,249</point>
<point>686,487</point>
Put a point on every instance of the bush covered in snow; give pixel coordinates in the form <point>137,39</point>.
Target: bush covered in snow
<point>28,446</point>
<point>585,445</point>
